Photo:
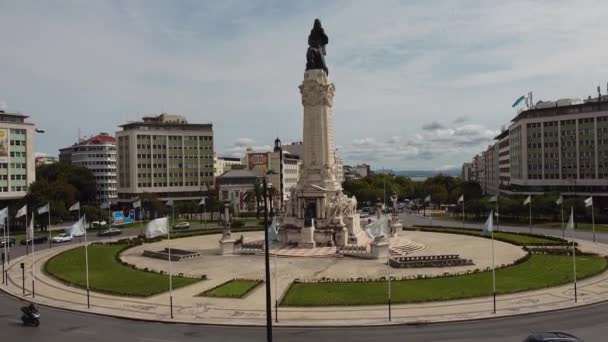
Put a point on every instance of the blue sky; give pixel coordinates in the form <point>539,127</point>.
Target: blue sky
<point>420,84</point>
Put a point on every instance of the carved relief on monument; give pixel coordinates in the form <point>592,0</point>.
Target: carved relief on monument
<point>316,91</point>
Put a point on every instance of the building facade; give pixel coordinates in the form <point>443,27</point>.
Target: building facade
<point>555,146</point>
<point>467,172</point>
<point>166,156</point>
<point>98,154</point>
<point>234,184</point>
<point>223,164</point>
<point>17,159</point>
<point>262,162</point>
<point>45,160</point>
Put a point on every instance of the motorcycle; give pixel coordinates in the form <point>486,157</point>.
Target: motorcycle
<point>31,316</point>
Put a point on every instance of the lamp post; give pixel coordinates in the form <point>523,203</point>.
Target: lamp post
<point>265,184</point>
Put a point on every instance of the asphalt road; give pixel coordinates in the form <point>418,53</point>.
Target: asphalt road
<point>588,323</point>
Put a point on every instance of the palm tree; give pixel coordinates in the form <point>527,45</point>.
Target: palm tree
<point>255,196</point>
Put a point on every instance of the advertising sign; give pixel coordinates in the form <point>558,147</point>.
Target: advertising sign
<point>4,143</point>
<point>119,217</point>
<point>257,159</point>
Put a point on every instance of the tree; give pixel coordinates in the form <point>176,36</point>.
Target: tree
<point>255,196</point>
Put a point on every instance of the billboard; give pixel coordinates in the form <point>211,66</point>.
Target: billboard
<point>4,144</point>
<point>256,159</point>
<point>119,217</point>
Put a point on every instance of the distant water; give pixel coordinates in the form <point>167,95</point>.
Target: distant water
<point>418,178</point>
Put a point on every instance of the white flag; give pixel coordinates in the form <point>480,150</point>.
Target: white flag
<point>570,225</point>
<point>22,211</point>
<point>77,229</point>
<point>137,204</point>
<point>30,230</point>
<point>428,198</point>
<point>560,200</point>
<point>461,199</point>
<point>157,227</point>
<point>105,205</point>
<point>202,202</point>
<point>169,203</point>
<point>44,209</point>
<point>493,199</point>
<point>528,200</point>
<point>377,228</point>
<point>3,215</point>
<point>75,206</point>
<point>589,202</point>
<point>489,225</point>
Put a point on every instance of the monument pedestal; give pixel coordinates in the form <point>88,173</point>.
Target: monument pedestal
<point>307,237</point>
<point>226,246</point>
<point>380,248</point>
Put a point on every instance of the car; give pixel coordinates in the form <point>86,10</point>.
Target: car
<point>63,237</point>
<point>181,225</point>
<point>552,336</point>
<point>110,232</point>
<point>97,224</point>
<point>37,240</point>
<point>11,241</point>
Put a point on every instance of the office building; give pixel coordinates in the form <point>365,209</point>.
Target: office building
<point>166,156</point>
<point>223,164</point>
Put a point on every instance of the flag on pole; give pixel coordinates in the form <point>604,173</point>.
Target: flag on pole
<point>461,199</point>
<point>169,203</point>
<point>137,204</point>
<point>528,200</point>
<point>377,228</point>
<point>427,198</point>
<point>493,199</point>
<point>3,215</point>
<point>30,230</point>
<point>22,211</point>
<point>157,227</point>
<point>273,234</point>
<point>488,227</point>
<point>560,200</point>
<point>202,202</point>
<point>518,101</point>
<point>570,225</point>
<point>77,229</point>
<point>589,202</point>
<point>75,206</point>
<point>105,205</point>
<point>44,209</point>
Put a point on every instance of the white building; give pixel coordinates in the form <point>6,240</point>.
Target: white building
<point>17,163</point>
<point>98,154</point>
<point>223,164</point>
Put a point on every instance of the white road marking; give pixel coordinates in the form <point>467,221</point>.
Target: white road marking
<point>153,339</point>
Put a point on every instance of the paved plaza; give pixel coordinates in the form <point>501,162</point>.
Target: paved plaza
<point>250,310</point>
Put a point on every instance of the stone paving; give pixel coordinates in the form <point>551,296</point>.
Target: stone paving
<point>250,310</point>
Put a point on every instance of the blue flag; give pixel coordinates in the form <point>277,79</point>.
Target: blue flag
<point>518,101</point>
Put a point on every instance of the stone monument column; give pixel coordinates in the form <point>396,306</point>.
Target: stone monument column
<point>319,166</point>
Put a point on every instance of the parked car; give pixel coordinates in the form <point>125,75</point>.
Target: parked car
<point>552,336</point>
<point>110,232</point>
<point>181,225</point>
<point>37,239</point>
<point>63,237</point>
<point>11,241</point>
<point>97,224</point>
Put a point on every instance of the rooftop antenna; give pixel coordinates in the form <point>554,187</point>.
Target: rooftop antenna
<point>599,94</point>
<point>531,100</point>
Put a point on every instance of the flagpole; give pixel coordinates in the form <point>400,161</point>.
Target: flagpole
<point>33,257</point>
<point>462,212</point>
<point>493,274</point>
<point>276,297</point>
<point>497,212</point>
<point>170,269</point>
<point>49,226</point>
<point>8,235</point>
<point>530,215</point>
<point>86,260</point>
<point>6,242</point>
<point>574,257</point>
<point>563,228</point>
<point>592,220</point>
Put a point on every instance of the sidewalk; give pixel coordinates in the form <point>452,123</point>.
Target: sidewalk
<point>191,309</point>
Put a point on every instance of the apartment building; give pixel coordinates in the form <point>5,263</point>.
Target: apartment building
<point>17,163</point>
<point>98,154</point>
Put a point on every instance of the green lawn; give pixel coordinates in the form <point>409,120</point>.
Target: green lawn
<point>583,226</point>
<point>537,272</point>
<point>107,275</point>
<point>233,289</point>
<point>519,239</point>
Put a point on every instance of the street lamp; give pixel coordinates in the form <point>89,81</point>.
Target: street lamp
<point>265,183</point>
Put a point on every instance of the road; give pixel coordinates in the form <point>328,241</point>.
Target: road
<point>58,325</point>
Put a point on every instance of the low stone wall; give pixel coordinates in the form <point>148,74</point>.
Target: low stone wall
<point>429,261</point>
<point>176,254</point>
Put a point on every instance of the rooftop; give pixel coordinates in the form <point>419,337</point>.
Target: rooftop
<point>557,109</point>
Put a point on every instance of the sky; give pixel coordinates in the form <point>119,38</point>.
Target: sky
<point>420,85</point>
